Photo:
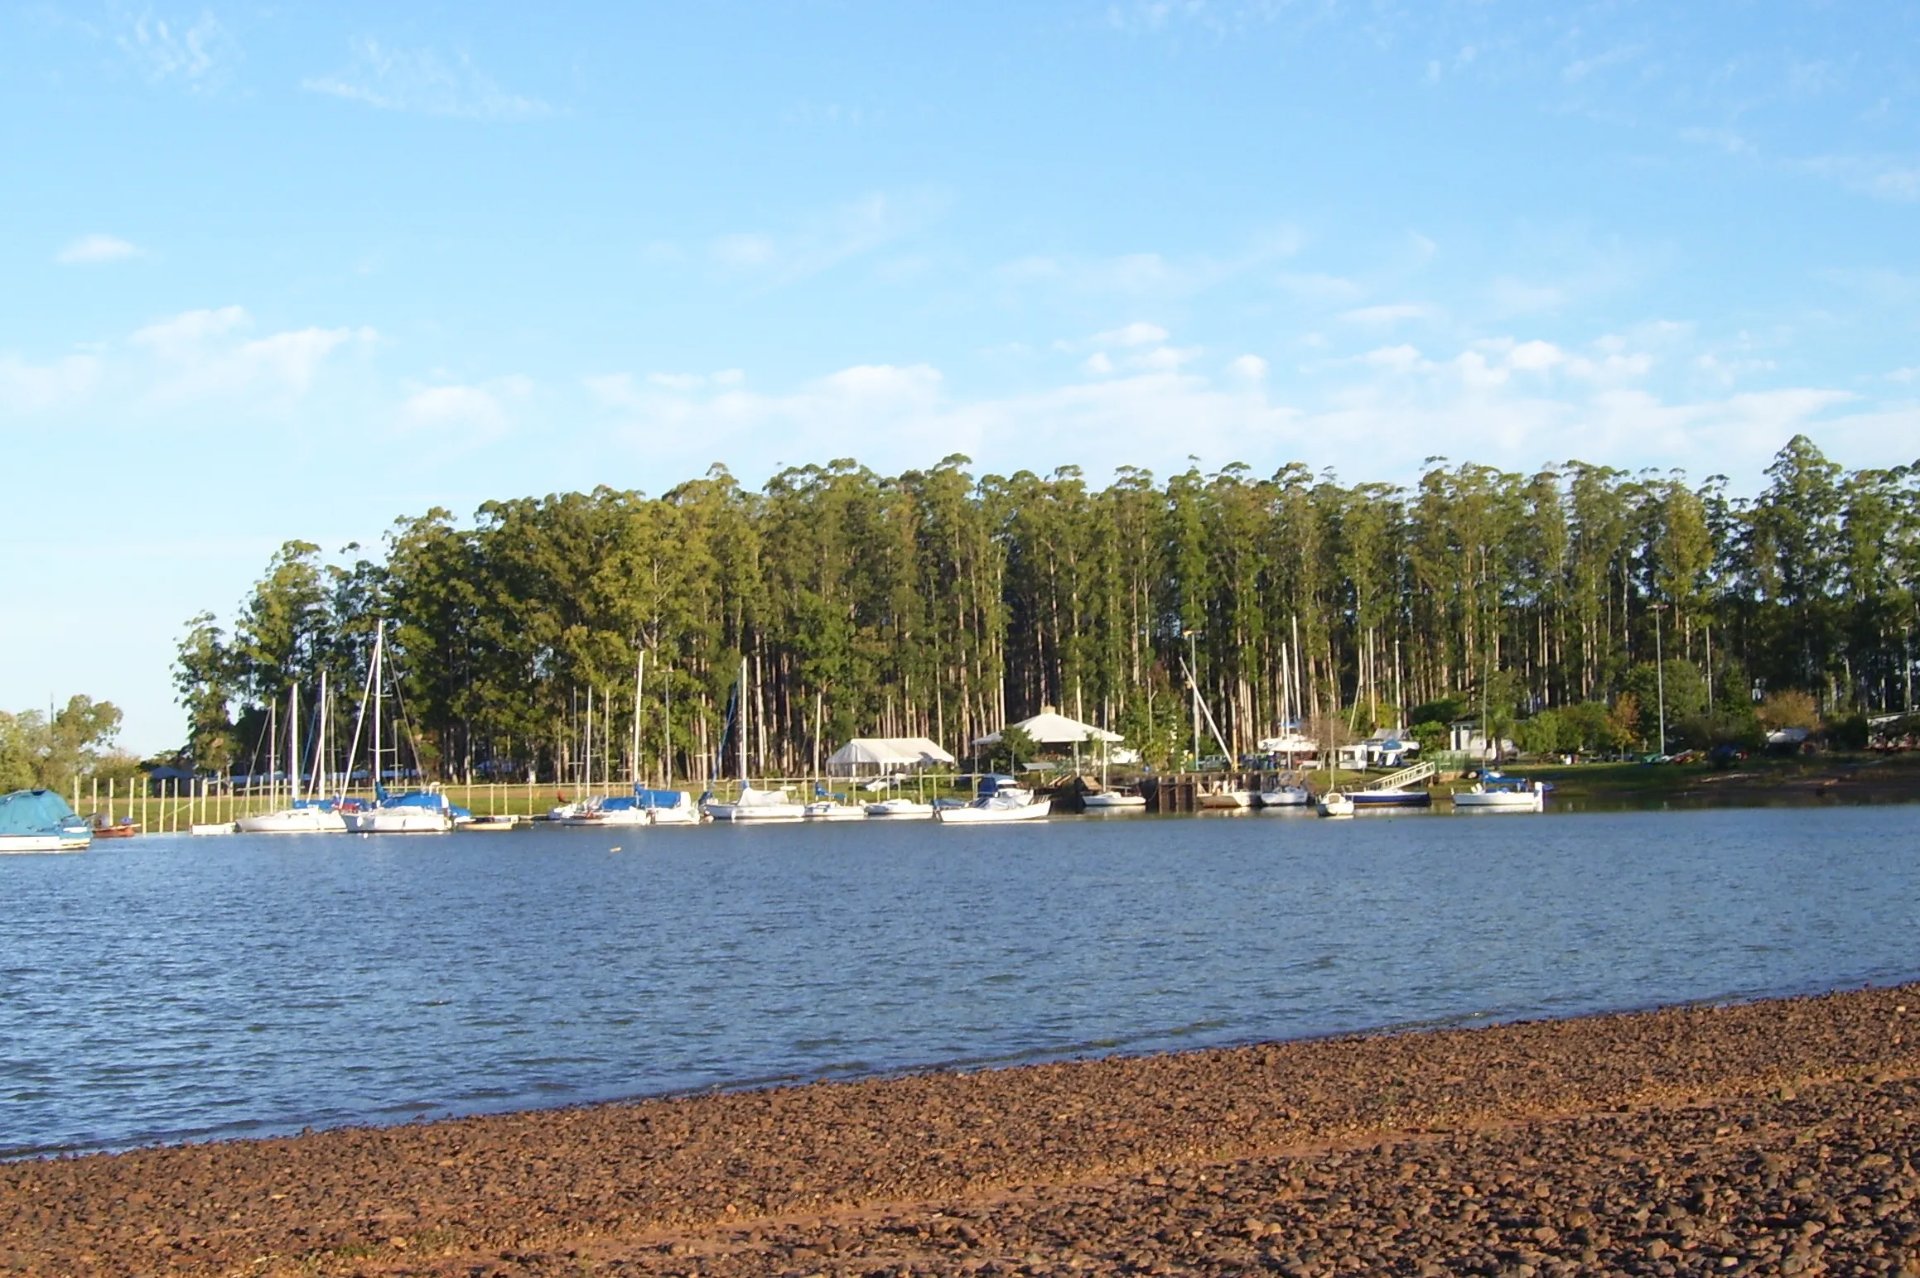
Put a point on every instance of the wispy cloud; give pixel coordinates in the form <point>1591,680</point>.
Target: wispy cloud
<point>822,243</point>
<point>472,415</point>
<point>1148,275</point>
<point>422,80</point>
<point>95,250</point>
<point>195,51</point>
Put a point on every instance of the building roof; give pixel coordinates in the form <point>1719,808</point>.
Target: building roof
<point>889,752</point>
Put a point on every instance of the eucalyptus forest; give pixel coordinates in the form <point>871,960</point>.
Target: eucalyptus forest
<point>945,604</point>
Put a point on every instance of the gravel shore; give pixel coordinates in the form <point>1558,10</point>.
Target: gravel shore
<point>1771,1137</point>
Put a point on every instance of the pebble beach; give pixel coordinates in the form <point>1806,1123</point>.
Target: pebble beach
<point>1764,1137</point>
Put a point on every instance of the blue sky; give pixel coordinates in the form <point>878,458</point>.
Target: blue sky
<point>278,271</point>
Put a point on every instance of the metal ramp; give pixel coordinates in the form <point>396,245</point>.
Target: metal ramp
<point>1403,778</point>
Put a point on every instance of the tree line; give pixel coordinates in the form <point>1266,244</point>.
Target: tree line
<point>944,604</point>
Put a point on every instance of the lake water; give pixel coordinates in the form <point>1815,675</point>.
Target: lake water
<point>172,988</point>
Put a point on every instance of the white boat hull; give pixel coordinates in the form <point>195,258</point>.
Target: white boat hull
<point>688,815</point>
<point>399,821</point>
<point>1501,801</point>
<point>42,843</point>
<point>596,818</point>
<point>1107,801</point>
<point>1035,811</point>
<point>900,810</point>
<point>835,812</point>
<point>1229,799</point>
<point>756,813</point>
<point>1286,797</point>
<point>292,821</point>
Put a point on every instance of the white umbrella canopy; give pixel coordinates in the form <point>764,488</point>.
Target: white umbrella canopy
<point>1048,728</point>
<point>887,753</point>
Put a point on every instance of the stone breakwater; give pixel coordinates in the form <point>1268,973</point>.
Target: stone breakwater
<point>1772,1137</point>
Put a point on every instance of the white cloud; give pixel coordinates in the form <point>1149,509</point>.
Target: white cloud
<point>92,250</point>
<point>677,381</point>
<point>196,52</point>
<point>200,354</point>
<point>464,415</point>
<point>1098,364</point>
<point>1536,356</point>
<point>1391,313</point>
<point>1248,368</point>
<point>424,81</point>
<point>1908,374</point>
<point>1724,139</point>
<point>740,252</point>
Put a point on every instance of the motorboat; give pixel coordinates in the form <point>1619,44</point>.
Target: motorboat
<point>41,821</point>
<point>1286,796</point>
<point>833,810</point>
<point>757,806</point>
<point>497,824</point>
<point>1495,793</point>
<point>1113,801</point>
<point>415,812</point>
<point>1335,804</point>
<point>301,818</point>
<point>1003,803</point>
<point>900,809</point>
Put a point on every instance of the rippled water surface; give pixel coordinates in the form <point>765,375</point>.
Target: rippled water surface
<point>168,988</point>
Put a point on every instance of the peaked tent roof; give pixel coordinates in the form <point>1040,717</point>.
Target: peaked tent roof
<point>32,812</point>
<point>1048,728</point>
<point>883,752</point>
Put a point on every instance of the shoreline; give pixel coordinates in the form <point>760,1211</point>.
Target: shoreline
<point>738,1176</point>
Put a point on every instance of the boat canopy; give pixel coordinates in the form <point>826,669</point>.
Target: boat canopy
<point>33,812</point>
<point>1048,728</point>
<point>886,754</point>
<point>660,798</point>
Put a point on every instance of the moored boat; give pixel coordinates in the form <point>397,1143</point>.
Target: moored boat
<point>834,810</point>
<point>416,812</point>
<point>302,818</point>
<point>1004,803</point>
<point>599,811</point>
<point>758,806</point>
<point>1113,801</point>
<point>900,809</point>
<point>41,821</point>
<point>1286,796</point>
<point>1334,804</point>
<point>1495,793</point>
<point>1394,797</point>
<point>669,807</point>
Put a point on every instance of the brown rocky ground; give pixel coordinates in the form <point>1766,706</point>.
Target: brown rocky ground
<point>1775,1137</point>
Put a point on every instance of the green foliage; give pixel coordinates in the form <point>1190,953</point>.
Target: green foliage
<point>1012,751</point>
<point>1542,734</point>
<point>1431,734</point>
<point>38,753</point>
<point>941,603</point>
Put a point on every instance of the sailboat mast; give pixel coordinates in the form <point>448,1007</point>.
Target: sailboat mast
<point>589,758</point>
<point>273,753</point>
<point>379,691</point>
<point>320,743</point>
<point>639,689</point>
<point>741,701</point>
<point>293,745</point>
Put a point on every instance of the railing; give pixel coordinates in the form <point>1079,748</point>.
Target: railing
<point>1404,777</point>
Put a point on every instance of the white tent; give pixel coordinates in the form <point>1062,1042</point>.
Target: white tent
<point>885,754</point>
<point>1048,728</point>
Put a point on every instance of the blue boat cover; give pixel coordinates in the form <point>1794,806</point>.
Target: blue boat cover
<point>33,812</point>
<point>658,798</point>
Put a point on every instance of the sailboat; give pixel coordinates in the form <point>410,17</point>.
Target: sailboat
<point>1221,793</point>
<point>304,816</point>
<point>415,812</point>
<point>753,805</point>
<point>596,810</point>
